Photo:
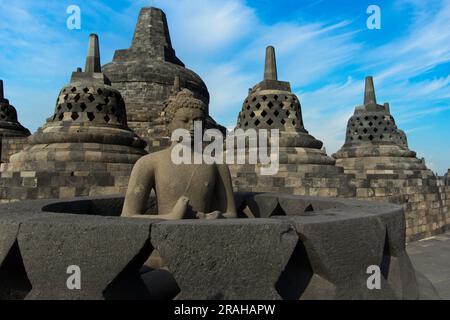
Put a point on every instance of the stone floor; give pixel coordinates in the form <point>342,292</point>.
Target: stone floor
<point>431,256</point>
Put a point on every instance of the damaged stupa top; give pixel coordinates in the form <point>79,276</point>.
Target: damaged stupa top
<point>89,115</point>
<point>152,37</point>
<point>145,73</point>
<point>152,59</point>
<point>9,124</point>
<point>272,105</point>
<point>373,123</point>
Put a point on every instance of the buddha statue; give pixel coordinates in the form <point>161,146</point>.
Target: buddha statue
<point>183,191</point>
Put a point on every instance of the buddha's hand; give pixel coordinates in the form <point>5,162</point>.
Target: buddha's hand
<point>179,210</point>
<point>210,216</point>
<point>229,215</point>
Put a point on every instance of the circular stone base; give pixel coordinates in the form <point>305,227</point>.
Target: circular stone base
<point>295,248</point>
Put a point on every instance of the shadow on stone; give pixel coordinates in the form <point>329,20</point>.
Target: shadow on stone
<point>161,284</point>
<point>309,208</point>
<point>128,285</point>
<point>278,211</point>
<point>14,282</point>
<point>109,206</point>
<point>386,260</point>
<point>296,276</point>
<point>244,211</point>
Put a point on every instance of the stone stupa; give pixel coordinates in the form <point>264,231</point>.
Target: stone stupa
<point>372,134</point>
<point>9,125</point>
<point>376,152</point>
<point>145,74</point>
<point>305,168</point>
<point>85,148</point>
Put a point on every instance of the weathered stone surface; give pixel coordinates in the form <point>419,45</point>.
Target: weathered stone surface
<point>202,190</point>
<point>376,152</point>
<point>14,282</point>
<point>9,125</point>
<point>84,148</point>
<point>103,248</point>
<point>8,235</point>
<point>207,257</point>
<point>305,168</point>
<point>338,245</point>
<point>144,74</point>
<point>318,254</point>
<point>427,290</point>
<point>341,246</point>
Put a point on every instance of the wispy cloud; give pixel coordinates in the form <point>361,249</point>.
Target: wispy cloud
<point>224,42</point>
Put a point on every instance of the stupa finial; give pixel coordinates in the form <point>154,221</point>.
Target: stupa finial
<point>369,92</point>
<point>93,55</point>
<point>270,69</point>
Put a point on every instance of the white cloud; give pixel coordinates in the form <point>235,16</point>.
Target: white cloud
<point>224,42</point>
<point>204,27</point>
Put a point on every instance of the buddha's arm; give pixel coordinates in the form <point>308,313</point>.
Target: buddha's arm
<point>177,212</point>
<point>141,183</point>
<point>224,192</point>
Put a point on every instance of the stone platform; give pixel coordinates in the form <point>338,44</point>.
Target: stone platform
<point>298,247</point>
<point>376,153</point>
<point>430,257</point>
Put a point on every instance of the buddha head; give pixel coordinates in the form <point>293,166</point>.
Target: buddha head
<point>182,110</point>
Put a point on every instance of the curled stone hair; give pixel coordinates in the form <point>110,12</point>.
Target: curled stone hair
<point>183,99</point>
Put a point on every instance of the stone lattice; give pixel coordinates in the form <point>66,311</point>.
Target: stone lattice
<point>376,152</point>
<point>271,111</point>
<point>305,168</point>
<point>86,146</point>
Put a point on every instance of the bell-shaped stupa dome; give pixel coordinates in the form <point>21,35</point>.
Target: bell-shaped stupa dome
<point>373,141</point>
<point>85,147</point>
<point>9,124</point>
<point>88,111</point>
<point>145,73</point>
<point>303,167</point>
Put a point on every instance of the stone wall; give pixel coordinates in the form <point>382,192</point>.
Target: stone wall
<point>295,179</point>
<point>423,197</point>
<point>81,179</point>
<point>10,146</point>
<point>141,116</point>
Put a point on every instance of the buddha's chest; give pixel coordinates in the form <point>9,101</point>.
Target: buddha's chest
<point>197,182</point>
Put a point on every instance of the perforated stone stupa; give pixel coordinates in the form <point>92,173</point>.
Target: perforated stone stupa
<point>84,148</point>
<point>376,151</point>
<point>305,168</point>
<point>145,73</point>
<point>9,124</point>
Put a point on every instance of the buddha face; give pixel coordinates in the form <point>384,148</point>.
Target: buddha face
<point>184,118</point>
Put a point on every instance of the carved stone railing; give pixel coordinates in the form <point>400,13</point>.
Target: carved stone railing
<point>295,248</point>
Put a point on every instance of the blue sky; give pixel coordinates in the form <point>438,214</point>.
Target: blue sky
<point>323,48</point>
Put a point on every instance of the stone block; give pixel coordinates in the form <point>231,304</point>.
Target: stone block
<point>100,246</point>
<point>207,257</point>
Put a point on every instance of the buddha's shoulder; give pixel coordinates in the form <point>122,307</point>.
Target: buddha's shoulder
<point>156,157</point>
